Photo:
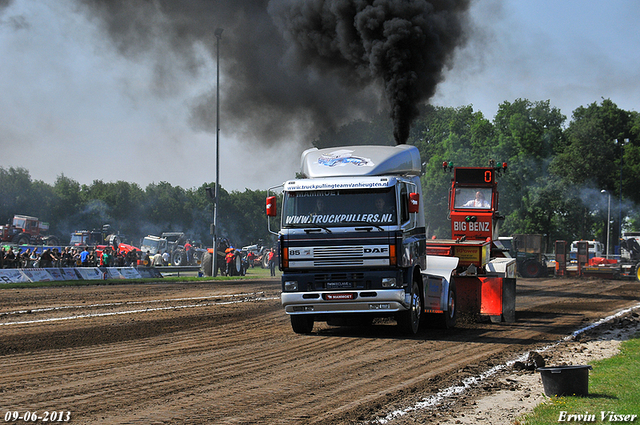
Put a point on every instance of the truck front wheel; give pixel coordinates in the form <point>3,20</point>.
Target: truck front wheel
<point>409,321</point>
<point>302,324</point>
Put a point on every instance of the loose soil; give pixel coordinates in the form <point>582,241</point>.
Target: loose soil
<point>224,353</point>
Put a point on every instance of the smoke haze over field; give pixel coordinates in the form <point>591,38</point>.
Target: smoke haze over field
<point>294,65</point>
<point>125,90</point>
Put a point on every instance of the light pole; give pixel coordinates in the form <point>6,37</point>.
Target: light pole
<point>214,262</point>
<point>608,220</point>
<point>621,143</point>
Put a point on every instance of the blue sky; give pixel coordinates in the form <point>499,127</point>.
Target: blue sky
<point>570,52</point>
<point>72,105</point>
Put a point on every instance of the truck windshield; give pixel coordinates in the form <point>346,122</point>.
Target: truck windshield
<point>150,245</point>
<point>340,208</point>
<point>472,197</point>
<point>77,240</point>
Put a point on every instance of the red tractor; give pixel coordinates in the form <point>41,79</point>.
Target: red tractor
<point>27,230</point>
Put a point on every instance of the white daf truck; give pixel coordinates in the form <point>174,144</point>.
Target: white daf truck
<point>352,241</point>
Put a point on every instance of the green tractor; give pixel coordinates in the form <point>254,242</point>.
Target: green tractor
<point>528,250</point>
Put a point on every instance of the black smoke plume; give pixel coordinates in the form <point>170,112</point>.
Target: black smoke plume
<point>294,66</point>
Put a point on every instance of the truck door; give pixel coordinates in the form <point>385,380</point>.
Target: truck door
<point>407,221</point>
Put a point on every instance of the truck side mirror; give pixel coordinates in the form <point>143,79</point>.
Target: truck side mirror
<point>414,203</point>
<point>271,206</point>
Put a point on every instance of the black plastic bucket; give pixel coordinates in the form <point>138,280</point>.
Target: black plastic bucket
<point>565,380</point>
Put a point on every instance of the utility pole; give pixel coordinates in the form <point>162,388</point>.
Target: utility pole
<point>214,262</point>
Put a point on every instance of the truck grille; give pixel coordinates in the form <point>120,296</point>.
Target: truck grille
<point>338,256</point>
<point>338,262</point>
<point>340,251</point>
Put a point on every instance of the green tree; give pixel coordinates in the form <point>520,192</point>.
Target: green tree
<point>457,135</point>
<point>592,159</point>
<point>15,189</point>
<point>528,134</point>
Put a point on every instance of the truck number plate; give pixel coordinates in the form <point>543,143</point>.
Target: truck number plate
<point>338,297</point>
<point>332,285</point>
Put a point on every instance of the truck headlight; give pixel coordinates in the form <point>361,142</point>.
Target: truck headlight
<point>291,286</point>
<point>388,282</point>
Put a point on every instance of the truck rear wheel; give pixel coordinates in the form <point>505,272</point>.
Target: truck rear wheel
<point>302,324</point>
<point>409,321</point>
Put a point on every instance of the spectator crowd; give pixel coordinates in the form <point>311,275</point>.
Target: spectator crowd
<point>69,257</point>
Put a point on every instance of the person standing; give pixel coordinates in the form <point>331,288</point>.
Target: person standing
<point>24,259</point>
<point>84,257</point>
<point>231,255</point>
<point>272,261</point>
<point>188,249</point>
<point>47,258</point>
<point>10,258</point>
<point>106,257</point>
<point>67,257</point>
<point>34,258</point>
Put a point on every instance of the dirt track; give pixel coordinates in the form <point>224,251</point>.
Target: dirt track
<point>224,353</point>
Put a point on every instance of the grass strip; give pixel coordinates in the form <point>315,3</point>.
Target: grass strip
<point>614,394</point>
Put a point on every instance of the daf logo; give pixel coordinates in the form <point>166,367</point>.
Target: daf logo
<point>376,250</point>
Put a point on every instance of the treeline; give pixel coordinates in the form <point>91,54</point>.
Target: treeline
<point>134,212</point>
<point>557,171</point>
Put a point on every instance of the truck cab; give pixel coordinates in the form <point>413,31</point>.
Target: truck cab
<point>352,236</point>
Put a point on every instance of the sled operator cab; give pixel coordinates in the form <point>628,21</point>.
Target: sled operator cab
<point>473,202</point>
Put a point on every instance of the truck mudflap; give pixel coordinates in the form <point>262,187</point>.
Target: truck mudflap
<point>490,296</point>
<point>348,301</point>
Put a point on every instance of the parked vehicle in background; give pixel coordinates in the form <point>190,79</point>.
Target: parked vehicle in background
<point>625,267</point>
<point>596,249</point>
<point>174,244</point>
<point>256,255</point>
<point>528,250</point>
<point>27,230</point>
<point>104,236</point>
